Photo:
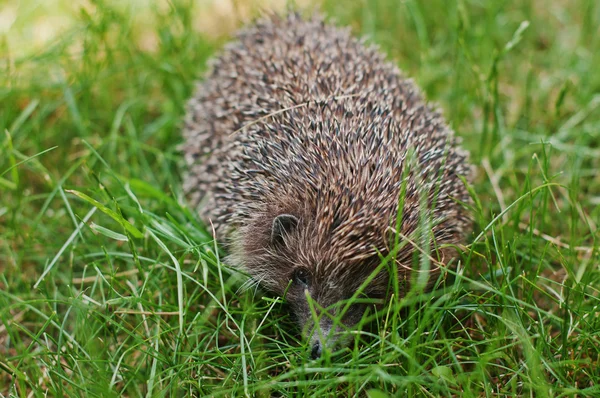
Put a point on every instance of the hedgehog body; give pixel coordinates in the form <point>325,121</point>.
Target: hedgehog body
<point>301,143</point>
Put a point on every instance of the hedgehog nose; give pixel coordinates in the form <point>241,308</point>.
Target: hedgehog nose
<point>316,351</point>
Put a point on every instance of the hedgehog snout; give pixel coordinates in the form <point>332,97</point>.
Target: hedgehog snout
<point>328,334</point>
<point>321,338</point>
<point>317,350</point>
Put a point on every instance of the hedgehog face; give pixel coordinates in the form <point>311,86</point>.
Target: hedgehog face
<point>311,300</point>
<point>298,261</point>
<point>321,309</point>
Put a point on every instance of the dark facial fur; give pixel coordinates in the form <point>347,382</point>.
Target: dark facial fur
<point>299,143</point>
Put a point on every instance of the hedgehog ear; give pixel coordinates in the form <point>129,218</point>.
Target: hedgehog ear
<point>283,225</point>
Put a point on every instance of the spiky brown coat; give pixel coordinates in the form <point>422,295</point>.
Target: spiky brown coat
<point>297,117</point>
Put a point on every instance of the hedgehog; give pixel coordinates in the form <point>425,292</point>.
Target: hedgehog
<point>310,154</point>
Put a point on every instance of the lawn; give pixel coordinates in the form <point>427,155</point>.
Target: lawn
<point>111,286</point>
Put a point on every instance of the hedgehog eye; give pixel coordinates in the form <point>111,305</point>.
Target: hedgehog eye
<point>301,276</point>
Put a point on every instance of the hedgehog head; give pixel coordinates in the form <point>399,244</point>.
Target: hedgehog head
<point>319,259</point>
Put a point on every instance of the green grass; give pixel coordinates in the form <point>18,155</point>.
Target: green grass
<point>134,300</point>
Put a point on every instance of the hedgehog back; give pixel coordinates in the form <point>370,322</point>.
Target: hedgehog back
<point>299,117</point>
